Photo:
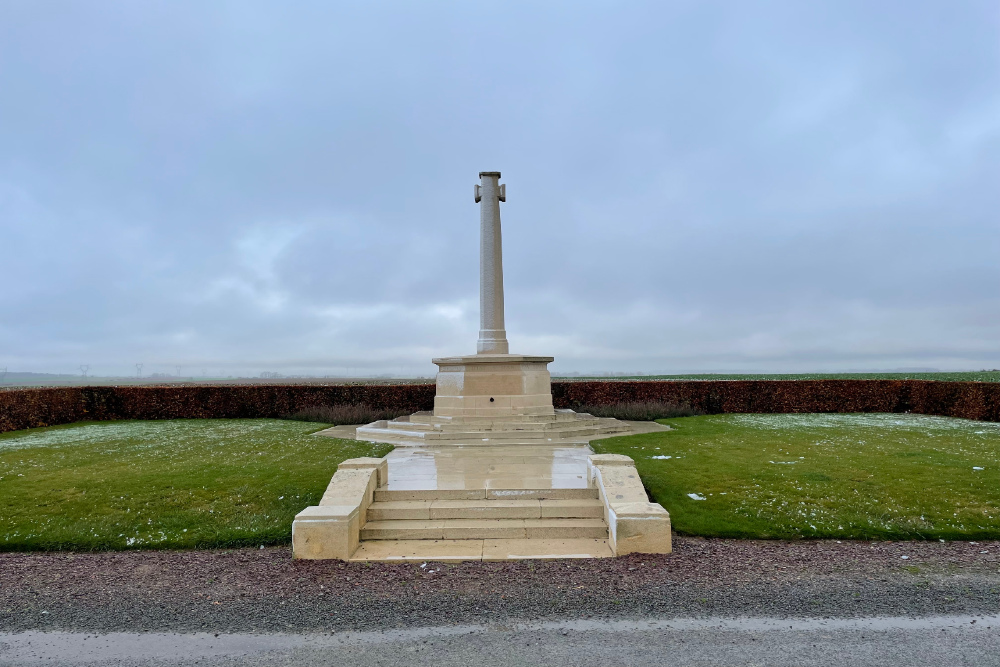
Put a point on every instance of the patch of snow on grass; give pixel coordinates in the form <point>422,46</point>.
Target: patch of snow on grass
<point>873,420</point>
<point>696,496</point>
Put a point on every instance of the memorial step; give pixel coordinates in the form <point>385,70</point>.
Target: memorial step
<point>385,495</point>
<point>490,550</point>
<point>429,429</point>
<point>413,431</point>
<point>500,426</point>
<point>482,508</point>
<point>560,416</point>
<point>481,529</point>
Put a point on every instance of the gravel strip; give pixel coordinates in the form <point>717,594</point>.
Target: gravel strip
<point>264,590</point>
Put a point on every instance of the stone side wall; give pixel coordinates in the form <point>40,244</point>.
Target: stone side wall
<point>29,408</point>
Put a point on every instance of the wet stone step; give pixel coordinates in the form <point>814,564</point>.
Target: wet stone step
<point>583,508</point>
<point>386,495</point>
<point>471,529</point>
<point>488,549</point>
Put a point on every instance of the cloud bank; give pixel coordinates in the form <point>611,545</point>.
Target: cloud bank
<point>247,187</point>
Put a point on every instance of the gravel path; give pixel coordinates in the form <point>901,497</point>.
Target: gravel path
<point>264,590</point>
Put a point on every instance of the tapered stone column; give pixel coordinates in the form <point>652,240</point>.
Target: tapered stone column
<point>492,334</point>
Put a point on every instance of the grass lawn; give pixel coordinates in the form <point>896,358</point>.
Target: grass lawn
<point>857,476</point>
<point>163,484</point>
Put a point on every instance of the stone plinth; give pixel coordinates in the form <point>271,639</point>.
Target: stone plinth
<point>493,385</point>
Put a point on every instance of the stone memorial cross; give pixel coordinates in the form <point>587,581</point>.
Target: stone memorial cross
<point>492,334</point>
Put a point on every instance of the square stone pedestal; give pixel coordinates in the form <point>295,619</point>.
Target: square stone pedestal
<point>493,385</point>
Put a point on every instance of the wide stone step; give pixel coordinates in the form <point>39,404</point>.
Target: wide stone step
<point>491,550</point>
<point>481,529</point>
<point>580,508</point>
<point>547,428</point>
<point>416,438</point>
<point>492,424</point>
<point>504,426</point>
<point>429,418</point>
<point>408,426</point>
<point>391,434</point>
<point>386,495</point>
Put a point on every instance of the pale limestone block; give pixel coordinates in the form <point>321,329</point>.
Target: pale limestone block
<point>362,462</point>
<point>534,490</point>
<point>430,494</point>
<point>498,550</point>
<point>641,528</point>
<point>482,529</point>
<point>403,530</point>
<point>580,509</point>
<point>350,484</point>
<point>366,462</point>
<point>399,509</point>
<point>332,528</point>
<point>515,382</point>
<point>326,532</point>
<point>420,550</point>
<point>558,529</point>
<point>611,460</point>
<point>634,523</point>
<point>621,484</point>
<point>494,509</point>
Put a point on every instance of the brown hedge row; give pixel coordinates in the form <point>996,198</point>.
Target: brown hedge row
<point>970,400</point>
<point>29,408</point>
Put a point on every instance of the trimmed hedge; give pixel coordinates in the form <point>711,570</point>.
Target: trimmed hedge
<point>29,408</point>
<point>970,400</point>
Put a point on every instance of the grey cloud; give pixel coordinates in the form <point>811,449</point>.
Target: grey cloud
<point>692,186</point>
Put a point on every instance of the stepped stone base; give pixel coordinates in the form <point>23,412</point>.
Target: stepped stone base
<point>493,473</point>
<point>428,428</point>
<point>371,512</point>
<point>492,399</point>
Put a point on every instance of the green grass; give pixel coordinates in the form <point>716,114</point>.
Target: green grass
<point>969,376</point>
<point>859,476</point>
<point>163,484</point>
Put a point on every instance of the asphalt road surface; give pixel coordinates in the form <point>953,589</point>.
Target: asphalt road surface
<point>939,640</point>
<point>713,602</point>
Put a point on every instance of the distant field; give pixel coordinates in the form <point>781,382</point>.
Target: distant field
<point>163,484</point>
<point>850,476</point>
<point>19,380</point>
<point>14,380</point>
<point>970,376</point>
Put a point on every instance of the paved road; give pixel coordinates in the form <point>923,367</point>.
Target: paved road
<point>872,642</point>
<point>858,603</point>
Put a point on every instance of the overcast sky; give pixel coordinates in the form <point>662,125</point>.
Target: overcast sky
<point>238,187</point>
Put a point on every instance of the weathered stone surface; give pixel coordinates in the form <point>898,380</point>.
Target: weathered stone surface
<point>611,460</point>
<point>620,484</point>
<point>326,532</point>
<point>332,528</point>
<point>366,463</point>
<point>635,525</point>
